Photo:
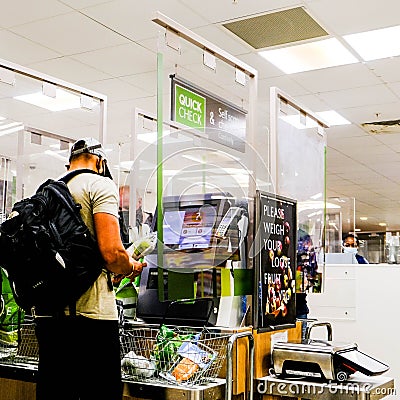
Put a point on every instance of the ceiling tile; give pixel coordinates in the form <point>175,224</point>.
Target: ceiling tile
<point>354,16</point>
<point>120,60</point>
<point>359,96</point>
<point>78,4</point>
<point>120,14</point>
<point>116,90</point>
<point>222,38</point>
<point>284,83</point>
<point>70,70</point>
<point>146,81</point>
<point>337,78</point>
<point>395,86</point>
<point>70,34</point>
<point>219,11</point>
<point>22,51</point>
<point>19,12</point>
<point>387,69</point>
<point>369,113</point>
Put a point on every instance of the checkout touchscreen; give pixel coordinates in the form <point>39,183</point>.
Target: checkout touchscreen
<point>189,227</point>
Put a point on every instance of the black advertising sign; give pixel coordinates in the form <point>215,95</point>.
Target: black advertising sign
<point>195,108</point>
<point>276,238</point>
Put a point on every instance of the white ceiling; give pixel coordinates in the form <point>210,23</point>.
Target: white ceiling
<point>109,46</point>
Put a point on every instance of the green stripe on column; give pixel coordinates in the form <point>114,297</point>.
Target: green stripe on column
<point>243,280</point>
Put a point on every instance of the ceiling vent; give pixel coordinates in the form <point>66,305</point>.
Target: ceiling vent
<point>380,127</point>
<point>277,28</point>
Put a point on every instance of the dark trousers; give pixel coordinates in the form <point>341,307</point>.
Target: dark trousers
<point>78,359</point>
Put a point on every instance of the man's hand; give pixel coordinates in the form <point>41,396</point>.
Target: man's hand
<point>137,268</point>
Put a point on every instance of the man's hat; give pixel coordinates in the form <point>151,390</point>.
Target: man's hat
<point>91,146</point>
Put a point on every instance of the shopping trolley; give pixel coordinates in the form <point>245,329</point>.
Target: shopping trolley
<point>176,355</point>
<point>24,349</point>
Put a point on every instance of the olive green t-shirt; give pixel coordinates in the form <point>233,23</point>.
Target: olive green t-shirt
<point>96,194</point>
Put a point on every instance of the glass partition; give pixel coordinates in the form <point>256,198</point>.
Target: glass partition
<point>340,219</point>
<point>298,143</point>
<point>199,167</point>
<point>39,117</point>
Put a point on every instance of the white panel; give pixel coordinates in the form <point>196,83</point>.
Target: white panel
<point>340,272</point>
<point>332,313</point>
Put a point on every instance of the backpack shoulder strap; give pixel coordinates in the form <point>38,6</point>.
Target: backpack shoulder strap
<point>67,177</point>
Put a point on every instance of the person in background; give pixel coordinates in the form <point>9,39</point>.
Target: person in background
<point>79,355</point>
<point>306,268</point>
<point>141,229</point>
<point>350,245</point>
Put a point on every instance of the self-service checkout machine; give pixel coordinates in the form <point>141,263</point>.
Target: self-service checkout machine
<point>202,234</point>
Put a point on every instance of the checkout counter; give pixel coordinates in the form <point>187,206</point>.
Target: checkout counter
<point>203,237</point>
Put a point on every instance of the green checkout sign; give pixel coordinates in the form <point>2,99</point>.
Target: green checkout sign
<point>190,108</point>
<point>195,108</point>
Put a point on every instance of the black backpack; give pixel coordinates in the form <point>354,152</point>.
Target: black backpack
<point>48,251</point>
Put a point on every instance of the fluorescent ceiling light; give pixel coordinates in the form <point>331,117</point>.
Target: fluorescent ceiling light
<point>315,205</point>
<point>17,128</point>
<point>332,118</point>
<point>357,230</point>
<point>309,56</point>
<point>10,125</point>
<point>316,196</point>
<point>376,44</point>
<point>63,101</point>
<point>382,224</point>
<point>364,218</point>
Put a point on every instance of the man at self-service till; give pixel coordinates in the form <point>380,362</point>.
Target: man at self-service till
<point>200,232</point>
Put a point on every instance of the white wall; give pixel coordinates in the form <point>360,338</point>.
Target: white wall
<point>362,302</point>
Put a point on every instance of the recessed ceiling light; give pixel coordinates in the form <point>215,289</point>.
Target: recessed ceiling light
<point>332,118</point>
<point>309,56</point>
<point>376,44</point>
<point>357,230</point>
<point>382,224</point>
<point>364,218</point>
<point>63,101</point>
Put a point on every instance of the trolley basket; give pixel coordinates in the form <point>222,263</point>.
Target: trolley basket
<point>176,355</point>
<point>24,350</point>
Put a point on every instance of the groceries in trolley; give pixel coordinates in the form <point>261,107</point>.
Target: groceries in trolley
<point>138,365</point>
<point>172,355</point>
<point>193,360</point>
